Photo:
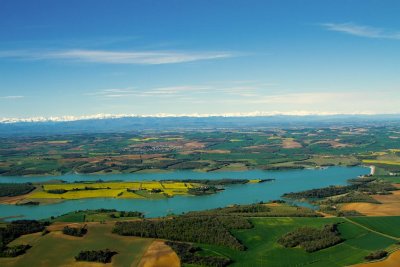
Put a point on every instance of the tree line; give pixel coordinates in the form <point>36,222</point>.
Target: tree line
<point>188,254</point>
<point>259,210</point>
<point>14,230</point>
<point>103,256</point>
<point>362,185</point>
<point>15,189</point>
<point>75,231</point>
<point>197,229</point>
<point>376,255</point>
<point>312,239</point>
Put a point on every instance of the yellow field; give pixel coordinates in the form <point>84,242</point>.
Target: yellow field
<point>111,189</point>
<point>147,185</point>
<point>172,192</point>
<point>274,137</point>
<point>156,138</point>
<point>53,142</point>
<point>58,142</point>
<point>143,139</point>
<point>114,193</point>
<point>386,162</point>
<point>379,153</point>
<point>111,185</point>
<point>255,181</point>
<point>174,185</point>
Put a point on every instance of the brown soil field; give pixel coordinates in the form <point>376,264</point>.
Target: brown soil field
<point>333,143</point>
<point>392,261</point>
<point>193,145</point>
<point>390,205</point>
<point>273,204</point>
<point>112,158</point>
<point>290,143</point>
<point>136,156</point>
<point>215,151</point>
<point>159,255</point>
<point>58,226</point>
<point>373,209</point>
<point>326,215</point>
<point>13,200</point>
<point>16,199</point>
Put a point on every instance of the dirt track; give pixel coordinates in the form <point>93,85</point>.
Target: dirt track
<point>159,255</point>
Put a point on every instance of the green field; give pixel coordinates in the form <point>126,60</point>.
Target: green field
<point>392,179</point>
<point>263,249</point>
<point>200,150</point>
<point>386,225</point>
<point>362,235</point>
<point>56,249</point>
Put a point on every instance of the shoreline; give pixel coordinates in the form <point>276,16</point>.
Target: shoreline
<point>161,171</point>
<point>372,167</point>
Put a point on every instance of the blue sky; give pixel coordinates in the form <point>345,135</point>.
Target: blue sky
<point>208,57</point>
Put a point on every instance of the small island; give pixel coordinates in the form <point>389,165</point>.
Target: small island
<point>56,191</point>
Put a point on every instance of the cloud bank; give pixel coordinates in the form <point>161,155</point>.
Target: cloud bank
<point>362,30</point>
<point>170,115</point>
<point>12,97</point>
<point>115,57</point>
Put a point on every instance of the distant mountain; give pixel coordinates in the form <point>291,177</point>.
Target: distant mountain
<point>125,124</point>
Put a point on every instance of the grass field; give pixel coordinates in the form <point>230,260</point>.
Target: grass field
<point>263,249</point>
<point>149,151</point>
<point>333,160</point>
<point>389,178</point>
<point>361,235</point>
<point>387,225</point>
<point>56,249</point>
<point>395,180</point>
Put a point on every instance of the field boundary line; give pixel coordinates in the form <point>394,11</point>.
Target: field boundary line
<point>371,230</point>
<point>144,252</point>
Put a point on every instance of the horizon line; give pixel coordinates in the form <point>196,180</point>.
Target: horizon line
<point>102,116</point>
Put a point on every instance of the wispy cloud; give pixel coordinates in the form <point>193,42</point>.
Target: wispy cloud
<point>114,92</point>
<point>12,97</point>
<point>299,98</point>
<point>116,57</point>
<point>179,91</point>
<point>362,30</point>
<point>168,91</point>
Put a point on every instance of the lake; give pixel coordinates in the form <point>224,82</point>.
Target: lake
<point>285,181</point>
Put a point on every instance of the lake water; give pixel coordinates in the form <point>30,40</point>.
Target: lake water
<point>285,181</point>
